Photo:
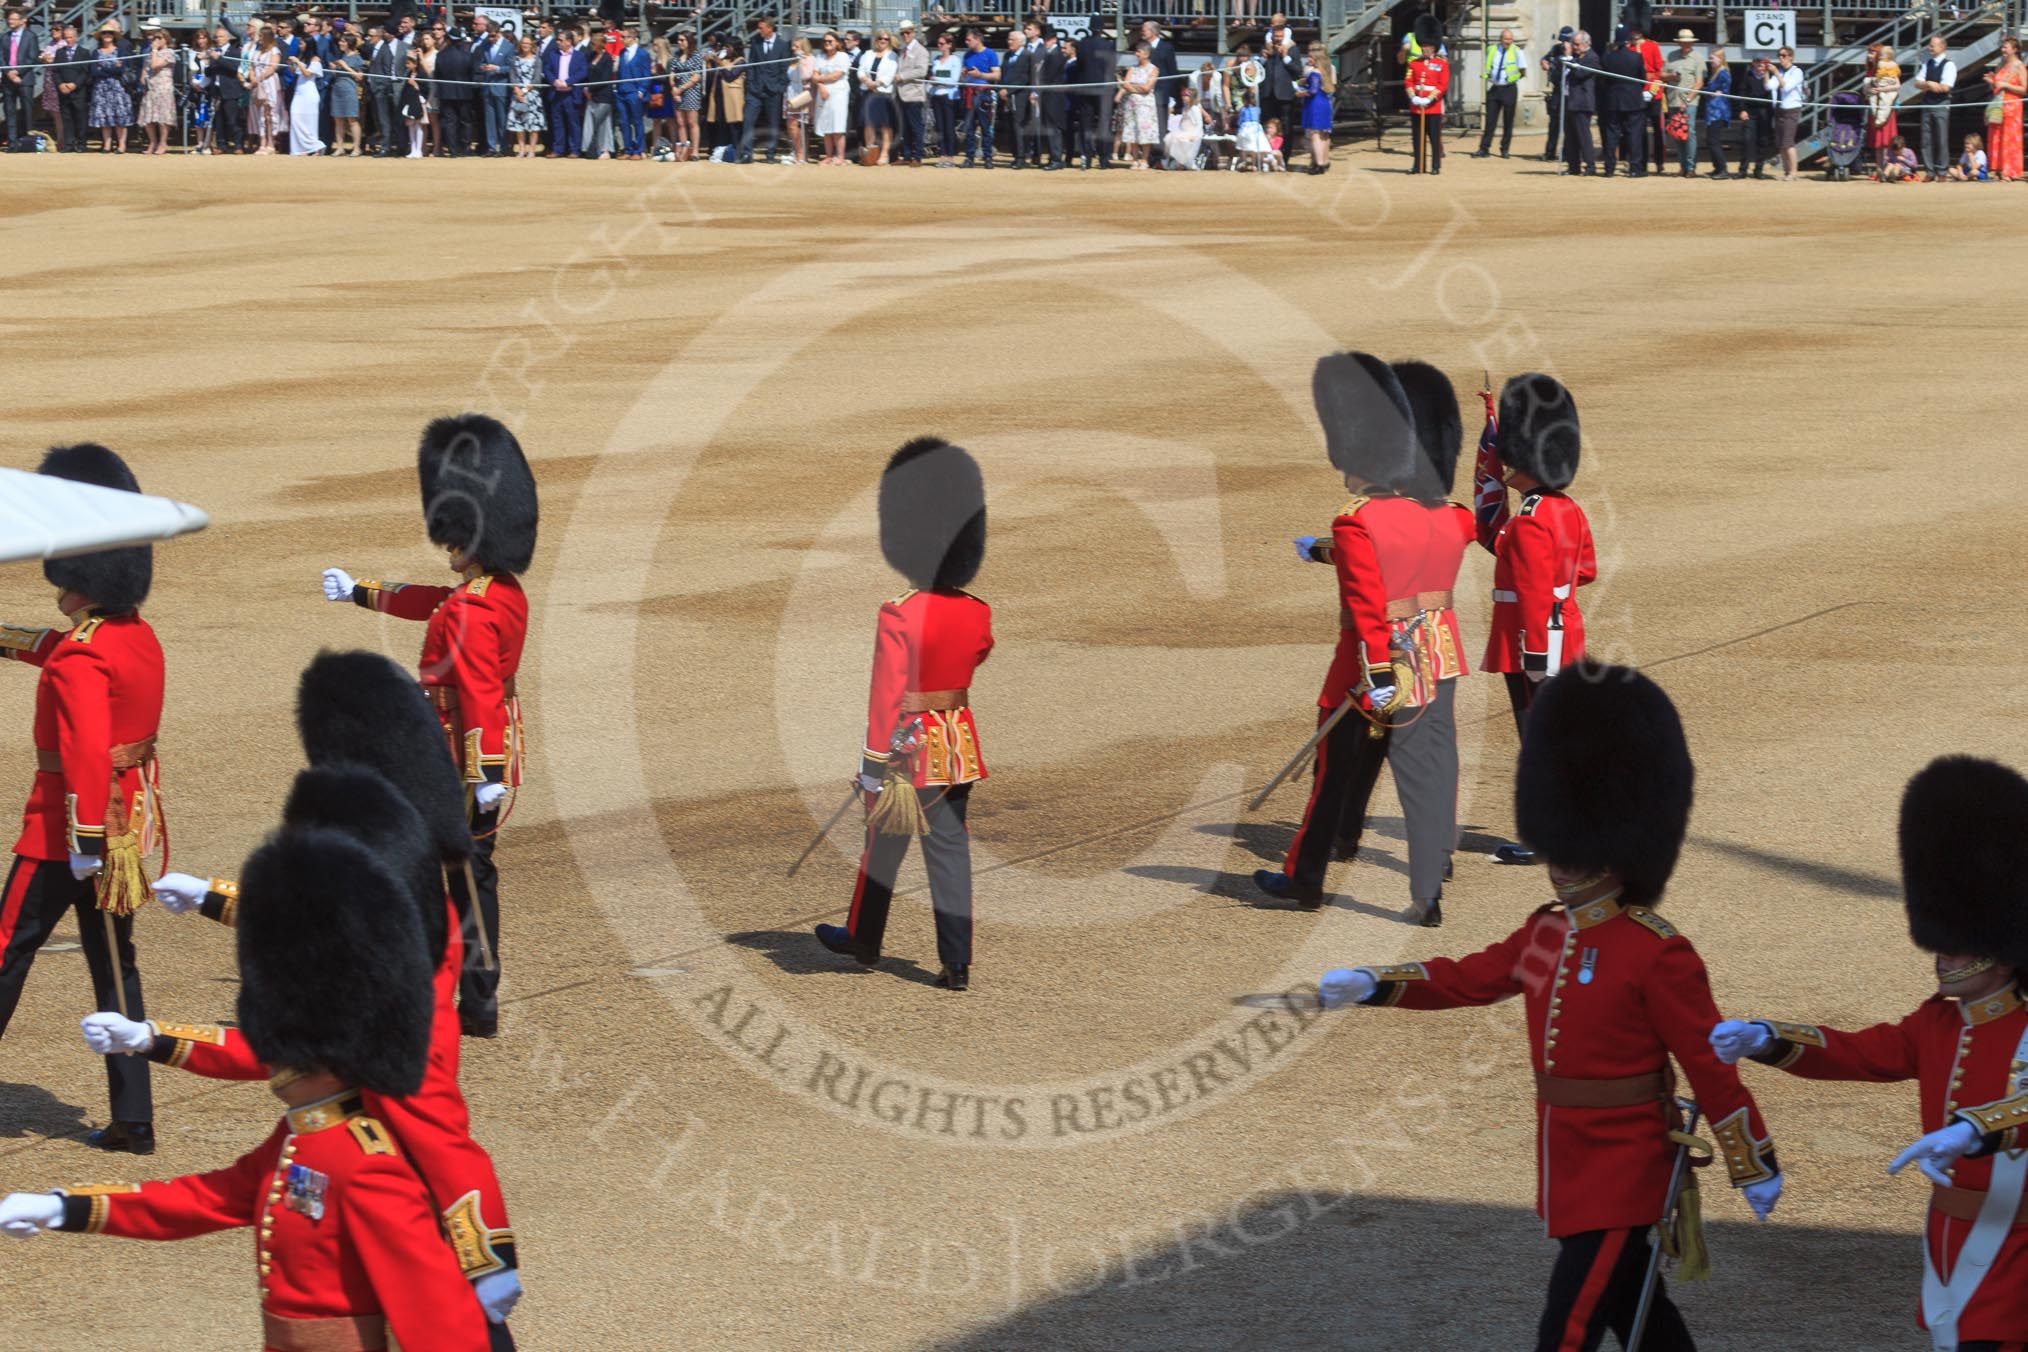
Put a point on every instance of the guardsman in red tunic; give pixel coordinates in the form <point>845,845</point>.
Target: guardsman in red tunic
<point>1429,76</point>
<point>1396,552</point>
<point>1613,992</point>
<point>479,501</point>
<point>1962,823</point>
<point>332,972</point>
<point>1542,553</point>
<point>922,742</point>
<point>93,811</point>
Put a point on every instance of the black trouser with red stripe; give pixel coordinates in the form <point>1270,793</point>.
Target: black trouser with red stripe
<point>1348,761</point>
<point>40,892</point>
<point>479,987</point>
<point>1596,1285</point>
<point>946,856</point>
<point>1520,694</point>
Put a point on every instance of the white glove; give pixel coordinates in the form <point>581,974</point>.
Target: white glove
<point>84,866</point>
<point>1304,544</point>
<point>487,794</point>
<point>1377,697</point>
<point>1342,986</point>
<point>106,1033</point>
<point>1938,1149</point>
<point>180,893</point>
<point>338,585</point>
<point>25,1214</point>
<point>1734,1040</point>
<point>869,783</point>
<point>1538,676</point>
<point>498,1293</point>
<point>1763,1195</point>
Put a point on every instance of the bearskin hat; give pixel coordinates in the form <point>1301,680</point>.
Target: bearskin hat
<point>361,709</point>
<point>333,973</point>
<point>1369,428</point>
<point>1439,428</point>
<point>1538,430</point>
<point>1962,823</point>
<point>933,515</point>
<point>478,494</point>
<point>1605,779</point>
<point>117,580</point>
<point>1429,32</point>
<point>361,803</point>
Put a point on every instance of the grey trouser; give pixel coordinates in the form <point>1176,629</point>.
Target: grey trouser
<point>1422,746</point>
<point>1936,138</point>
<point>946,857</point>
<point>598,129</point>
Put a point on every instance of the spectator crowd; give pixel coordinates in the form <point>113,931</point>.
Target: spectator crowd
<point>308,84</point>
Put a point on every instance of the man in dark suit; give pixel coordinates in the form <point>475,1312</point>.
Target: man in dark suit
<point>1552,86</point>
<point>1098,63</point>
<point>20,50</point>
<point>564,73</point>
<point>457,93</point>
<point>493,64</point>
<point>1579,81</point>
<point>767,80</point>
<point>1624,75</point>
<point>71,71</point>
<point>1058,64</point>
<point>385,74</point>
<point>229,128</point>
<point>1168,82</point>
<point>1024,109</point>
<point>1281,59</point>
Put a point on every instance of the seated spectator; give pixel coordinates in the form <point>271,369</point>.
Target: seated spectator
<point>1971,165</point>
<point>1186,133</point>
<point>1901,163</point>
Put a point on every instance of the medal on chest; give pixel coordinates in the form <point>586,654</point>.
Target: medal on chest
<point>1587,967</point>
<point>306,1189</point>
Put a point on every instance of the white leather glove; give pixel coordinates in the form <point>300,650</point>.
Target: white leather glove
<point>1538,676</point>
<point>1304,544</point>
<point>498,1293</point>
<point>1763,1195</point>
<point>338,585</point>
<point>869,783</point>
<point>1377,697</point>
<point>84,866</point>
<point>1734,1040</point>
<point>487,794</point>
<point>1938,1149</point>
<point>180,893</point>
<point>106,1033</point>
<point>23,1215</point>
<point>1342,986</point>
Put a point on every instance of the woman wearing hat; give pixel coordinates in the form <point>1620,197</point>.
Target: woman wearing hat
<point>112,81</point>
<point>158,91</point>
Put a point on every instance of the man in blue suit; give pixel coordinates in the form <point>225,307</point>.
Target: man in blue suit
<point>564,73</point>
<point>636,74</point>
<point>767,81</point>
<point>493,61</point>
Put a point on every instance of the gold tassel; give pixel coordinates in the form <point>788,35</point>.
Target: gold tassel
<point>897,810</point>
<point>123,886</point>
<point>1684,1241</point>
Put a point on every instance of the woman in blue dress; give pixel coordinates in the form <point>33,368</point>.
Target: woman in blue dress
<point>112,105</point>
<point>1316,90</point>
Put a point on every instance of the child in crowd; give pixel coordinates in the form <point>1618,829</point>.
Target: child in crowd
<point>1273,160</point>
<point>1252,142</point>
<point>1899,165</point>
<point>1971,166</point>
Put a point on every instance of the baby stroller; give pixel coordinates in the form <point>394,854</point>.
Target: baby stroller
<point>1846,138</point>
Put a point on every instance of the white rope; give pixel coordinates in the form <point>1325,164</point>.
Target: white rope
<point>1863,106</point>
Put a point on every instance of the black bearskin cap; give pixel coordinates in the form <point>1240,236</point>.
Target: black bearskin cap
<point>117,580</point>
<point>1962,824</point>
<point>1538,430</point>
<point>1439,427</point>
<point>1605,780</point>
<point>1369,429</point>
<point>362,804</point>
<point>359,708</point>
<point>933,515</point>
<point>478,493</point>
<point>1429,31</point>
<point>333,975</point>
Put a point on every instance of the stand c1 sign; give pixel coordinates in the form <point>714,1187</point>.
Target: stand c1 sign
<point>1768,31</point>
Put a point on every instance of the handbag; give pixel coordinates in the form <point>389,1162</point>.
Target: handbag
<point>799,101</point>
<point>1676,126</point>
<point>1996,112</point>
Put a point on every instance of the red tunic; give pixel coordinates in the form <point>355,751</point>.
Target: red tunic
<point>925,648</point>
<point>1395,558</point>
<point>1428,77</point>
<point>433,1125</point>
<point>1963,1057</point>
<point>1542,555</point>
<point>1646,999</point>
<point>470,655</point>
<point>345,1228</point>
<point>101,688</point>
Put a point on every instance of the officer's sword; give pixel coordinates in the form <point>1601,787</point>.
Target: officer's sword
<point>852,795</point>
<point>1301,758</point>
<point>1677,1175</point>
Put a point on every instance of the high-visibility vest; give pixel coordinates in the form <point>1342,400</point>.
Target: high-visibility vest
<point>1504,68</point>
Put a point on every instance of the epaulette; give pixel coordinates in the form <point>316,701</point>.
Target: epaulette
<point>1352,508</point>
<point>904,596</point>
<point>1641,915</point>
<point>477,586</point>
<point>86,628</point>
<point>1528,503</point>
<point>973,596</point>
<point>372,1137</point>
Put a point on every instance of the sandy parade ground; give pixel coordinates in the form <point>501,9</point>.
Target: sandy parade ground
<point>715,1135</point>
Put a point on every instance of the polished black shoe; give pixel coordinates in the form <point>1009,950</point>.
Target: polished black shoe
<point>131,1138</point>
<point>1276,883</point>
<point>955,978</point>
<point>839,940</point>
<point>478,1025</point>
<point>1482,154</point>
<point>1514,854</point>
<point>1429,914</point>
